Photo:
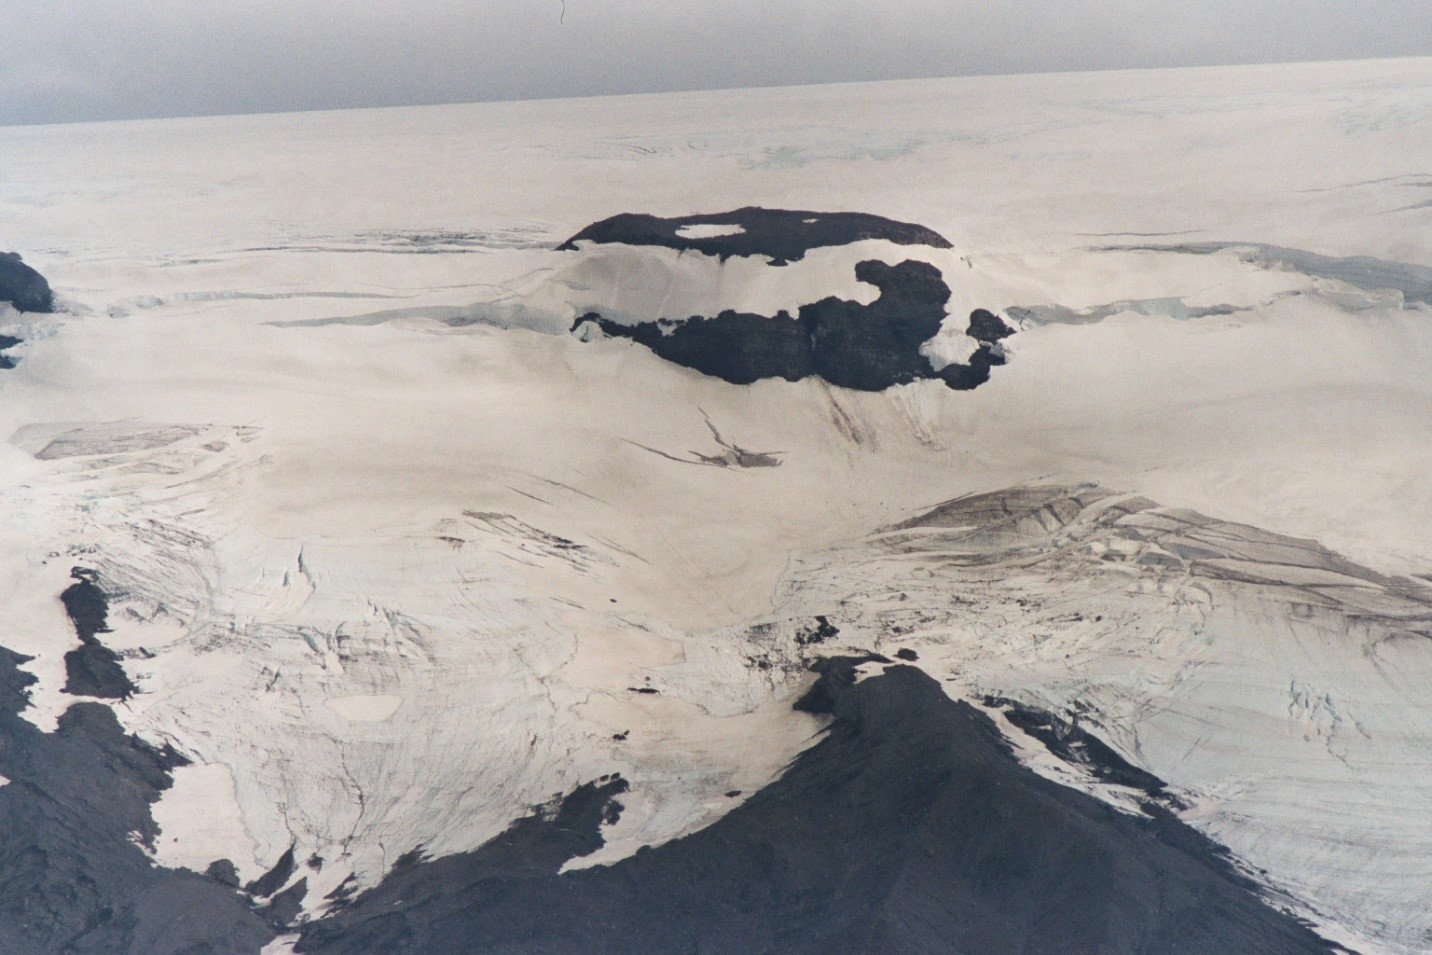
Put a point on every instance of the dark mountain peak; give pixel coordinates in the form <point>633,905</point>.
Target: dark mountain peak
<point>910,827</point>
<point>864,346</point>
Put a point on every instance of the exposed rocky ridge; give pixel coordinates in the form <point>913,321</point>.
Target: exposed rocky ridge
<point>910,827</point>
<point>825,333</point>
<point>864,347</point>
<point>74,821</point>
<point>1076,746</point>
<point>22,286</point>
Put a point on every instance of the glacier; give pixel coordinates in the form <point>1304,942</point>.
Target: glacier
<point>360,598</point>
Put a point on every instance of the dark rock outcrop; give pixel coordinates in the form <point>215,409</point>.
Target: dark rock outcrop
<point>92,669</point>
<point>910,828</point>
<point>1078,747</point>
<point>275,878</point>
<point>847,343</point>
<point>22,286</point>
<point>783,235</point>
<point>7,342</point>
<point>985,326</point>
<point>74,816</point>
<point>864,347</point>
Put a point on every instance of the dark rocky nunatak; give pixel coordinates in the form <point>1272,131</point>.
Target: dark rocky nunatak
<point>910,828</point>
<point>986,326</point>
<point>783,235</point>
<point>22,286</point>
<point>864,347</point>
<point>6,343</point>
<point>92,669</point>
<point>847,343</point>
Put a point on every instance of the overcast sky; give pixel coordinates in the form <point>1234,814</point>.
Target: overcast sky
<point>70,60</point>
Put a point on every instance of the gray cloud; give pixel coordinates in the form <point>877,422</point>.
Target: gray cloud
<point>72,60</point>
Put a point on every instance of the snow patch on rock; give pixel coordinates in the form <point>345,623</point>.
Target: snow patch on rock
<point>200,821</point>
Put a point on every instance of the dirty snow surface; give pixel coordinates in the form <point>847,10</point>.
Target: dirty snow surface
<point>978,515</point>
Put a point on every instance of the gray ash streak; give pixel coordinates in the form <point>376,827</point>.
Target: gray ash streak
<point>1173,308</point>
<point>910,827</point>
<point>1360,271</point>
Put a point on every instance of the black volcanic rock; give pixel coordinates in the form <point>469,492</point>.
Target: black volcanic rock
<point>92,669</point>
<point>1079,747</point>
<point>986,326</point>
<point>6,343</point>
<point>910,828</point>
<point>22,286</point>
<point>864,347</point>
<point>784,235</point>
<point>847,343</point>
<point>275,878</point>
<point>74,817</point>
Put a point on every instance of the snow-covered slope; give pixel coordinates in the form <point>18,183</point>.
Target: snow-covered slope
<point>388,557</point>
